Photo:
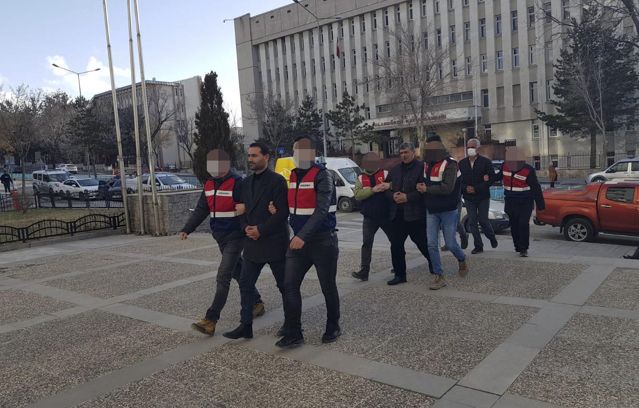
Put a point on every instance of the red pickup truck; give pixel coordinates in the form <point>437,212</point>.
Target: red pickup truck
<point>581,214</point>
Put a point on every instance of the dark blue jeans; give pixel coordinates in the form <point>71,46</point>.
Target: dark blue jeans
<point>478,212</point>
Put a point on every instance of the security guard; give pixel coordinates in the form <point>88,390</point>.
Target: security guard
<point>312,206</point>
<point>521,192</point>
<point>220,196</point>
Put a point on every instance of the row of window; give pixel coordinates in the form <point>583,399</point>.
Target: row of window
<point>533,94</point>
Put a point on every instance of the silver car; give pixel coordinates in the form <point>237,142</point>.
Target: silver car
<point>628,168</point>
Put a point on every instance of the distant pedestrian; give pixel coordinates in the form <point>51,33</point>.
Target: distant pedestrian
<point>6,180</point>
<point>553,176</point>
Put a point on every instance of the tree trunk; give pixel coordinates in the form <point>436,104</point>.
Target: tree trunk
<point>353,146</point>
<point>23,200</point>
<point>593,148</point>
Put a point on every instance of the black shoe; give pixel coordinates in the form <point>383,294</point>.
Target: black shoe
<point>290,341</point>
<point>477,251</point>
<point>629,257</point>
<point>464,241</point>
<point>361,275</point>
<point>244,331</point>
<point>494,243</point>
<point>396,281</point>
<point>331,336</point>
<point>523,254</point>
<point>281,332</point>
<point>392,271</point>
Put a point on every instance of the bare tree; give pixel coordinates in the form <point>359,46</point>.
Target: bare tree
<point>57,113</point>
<point>413,76</point>
<point>185,131</point>
<point>277,120</point>
<point>162,114</point>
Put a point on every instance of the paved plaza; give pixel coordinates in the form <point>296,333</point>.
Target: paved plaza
<point>105,322</point>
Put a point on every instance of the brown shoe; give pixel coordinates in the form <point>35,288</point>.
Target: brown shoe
<point>205,326</point>
<point>463,269</point>
<point>258,310</point>
<point>438,282</point>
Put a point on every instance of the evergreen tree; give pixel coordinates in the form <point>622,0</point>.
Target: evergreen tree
<point>308,121</point>
<point>348,121</point>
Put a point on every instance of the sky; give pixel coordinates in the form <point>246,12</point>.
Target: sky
<point>180,39</point>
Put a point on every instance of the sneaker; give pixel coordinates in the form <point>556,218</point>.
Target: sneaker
<point>290,341</point>
<point>494,243</point>
<point>477,251</point>
<point>438,282</point>
<point>523,254</point>
<point>258,310</point>
<point>204,326</point>
<point>242,331</point>
<point>361,275</point>
<point>463,269</point>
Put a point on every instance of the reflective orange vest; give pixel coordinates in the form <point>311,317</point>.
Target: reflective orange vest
<point>220,198</point>
<point>374,179</point>
<point>515,181</point>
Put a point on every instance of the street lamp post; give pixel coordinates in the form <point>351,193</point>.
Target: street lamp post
<point>78,75</point>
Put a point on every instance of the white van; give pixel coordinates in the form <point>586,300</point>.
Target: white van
<point>48,181</point>
<point>345,172</point>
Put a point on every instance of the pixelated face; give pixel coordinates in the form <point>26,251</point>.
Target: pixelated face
<point>407,155</point>
<point>303,154</point>
<point>434,151</point>
<point>371,162</point>
<point>218,163</point>
<point>256,160</point>
<point>515,158</point>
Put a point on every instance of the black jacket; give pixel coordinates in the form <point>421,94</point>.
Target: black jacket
<point>274,236</point>
<point>404,179</point>
<point>474,177</point>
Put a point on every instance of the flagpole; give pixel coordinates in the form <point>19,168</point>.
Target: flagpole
<point>116,117</point>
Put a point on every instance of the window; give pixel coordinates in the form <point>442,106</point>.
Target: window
<point>313,66</point>
<point>324,93</point>
<point>469,66</point>
<point>531,55</point>
<point>355,88</point>
<point>331,35</point>
<point>423,8</point>
<point>488,131</point>
<point>532,89</point>
<point>452,34</point>
<point>516,57</point>
<point>335,90</point>
<point>547,13</point>
<point>537,162</point>
<point>410,11</point>
<point>513,19</point>
<point>552,132</point>
<point>343,61</point>
<point>321,37</point>
<point>388,50</point>
<point>498,24</point>
<point>286,72</point>
<point>482,28</point>
<point>412,43</point>
<point>365,54</point>
<point>565,6</point>
<point>499,61</point>
<point>303,69</point>
<point>436,7</point>
<point>362,25</point>
<point>465,3</point>
<point>354,57</point>
<point>500,96</point>
<point>467,31</point>
<point>531,16</point>
<point>439,37</point>
<point>376,50</point>
<point>378,84</point>
<point>277,74</point>
<point>621,194</point>
<point>484,63</point>
<point>440,71</point>
<point>374,20</point>
<point>386,18</point>
<point>332,63</point>
<point>344,86</point>
<point>548,51</point>
<point>398,14</point>
<point>450,4</point>
<point>548,89</point>
<point>341,29</point>
<point>366,83</point>
<point>367,112</point>
<point>425,40</point>
<point>535,132</point>
<point>323,64</point>
<point>454,68</point>
<point>484,98</point>
<point>352,26</point>
<point>634,166</point>
<point>516,95</point>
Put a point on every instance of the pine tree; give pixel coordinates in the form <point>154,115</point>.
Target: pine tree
<point>308,121</point>
<point>212,126</point>
<point>348,121</point>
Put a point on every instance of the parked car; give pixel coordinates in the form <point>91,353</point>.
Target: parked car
<point>70,168</point>
<point>628,168</point>
<point>112,189</point>
<point>496,216</point>
<point>581,214</point>
<point>82,188</point>
<point>163,181</point>
<point>48,181</point>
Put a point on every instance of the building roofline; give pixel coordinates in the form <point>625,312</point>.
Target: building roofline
<point>128,87</point>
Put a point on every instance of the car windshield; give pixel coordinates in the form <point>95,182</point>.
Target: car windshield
<point>170,180</point>
<point>88,182</point>
<point>59,177</point>
<point>350,174</point>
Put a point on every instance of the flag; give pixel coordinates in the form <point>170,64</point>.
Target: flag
<point>337,51</point>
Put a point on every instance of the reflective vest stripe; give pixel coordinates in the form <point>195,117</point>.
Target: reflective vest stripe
<point>223,214</point>
<point>515,181</point>
<point>379,177</point>
<point>436,172</point>
<point>218,193</point>
<point>310,211</point>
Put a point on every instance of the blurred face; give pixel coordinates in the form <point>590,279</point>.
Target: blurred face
<point>218,163</point>
<point>370,162</point>
<point>256,160</point>
<point>303,154</point>
<point>407,155</point>
<point>515,158</point>
<point>434,151</point>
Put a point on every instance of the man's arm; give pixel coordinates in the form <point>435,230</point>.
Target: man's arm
<point>323,191</point>
<point>535,189</point>
<point>362,193</point>
<point>280,201</point>
<point>448,181</point>
<point>487,169</point>
<point>238,196</point>
<point>199,214</point>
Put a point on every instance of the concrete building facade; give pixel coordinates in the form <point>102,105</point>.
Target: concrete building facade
<point>500,65</point>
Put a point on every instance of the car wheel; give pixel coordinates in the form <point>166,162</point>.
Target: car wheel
<point>598,179</point>
<point>345,204</point>
<point>579,230</point>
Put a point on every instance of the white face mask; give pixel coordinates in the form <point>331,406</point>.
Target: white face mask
<point>472,152</point>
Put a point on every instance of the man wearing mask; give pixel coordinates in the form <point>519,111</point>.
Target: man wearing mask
<point>521,192</point>
<point>218,200</point>
<point>266,235</point>
<point>441,188</point>
<point>369,191</point>
<point>312,205</point>
<point>477,176</point>
<point>407,213</point>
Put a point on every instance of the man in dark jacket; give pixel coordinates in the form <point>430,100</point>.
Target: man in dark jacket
<point>522,192</point>
<point>267,236</point>
<point>477,176</point>
<point>6,181</point>
<point>221,194</point>
<point>369,191</point>
<point>407,210</point>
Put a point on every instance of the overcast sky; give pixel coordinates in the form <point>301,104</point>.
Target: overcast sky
<point>180,39</point>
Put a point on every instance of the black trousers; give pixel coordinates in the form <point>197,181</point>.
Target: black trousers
<point>7,188</point>
<point>231,245</point>
<point>250,273</point>
<point>321,253</point>
<point>519,212</point>
<point>369,229</point>
<point>400,230</point>
<point>478,212</point>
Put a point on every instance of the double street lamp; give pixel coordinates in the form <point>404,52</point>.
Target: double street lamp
<point>78,74</point>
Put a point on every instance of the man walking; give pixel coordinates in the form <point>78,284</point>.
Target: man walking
<point>406,211</point>
<point>312,205</point>
<point>441,188</point>
<point>521,192</point>
<point>220,196</point>
<point>6,180</point>
<point>369,191</point>
<point>477,176</point>
<point>267,235</point>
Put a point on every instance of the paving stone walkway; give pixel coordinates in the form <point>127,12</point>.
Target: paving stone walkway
<point>105,323</point>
